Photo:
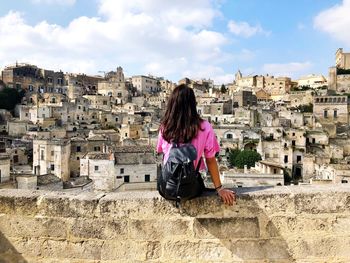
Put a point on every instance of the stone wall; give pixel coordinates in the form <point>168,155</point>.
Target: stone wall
<point>283,224</point>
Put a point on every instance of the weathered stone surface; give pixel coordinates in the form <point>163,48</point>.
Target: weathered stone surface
<point>226,228</point>
<point>86,228</point>
<point>185,250</point>
<point>16,226</point>
<point>158,229</point>
<point>130,251</point>
<point>89,249</point>
<point>284,224</point>
<point>287,225</point>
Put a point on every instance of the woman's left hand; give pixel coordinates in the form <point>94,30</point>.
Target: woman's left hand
<point>227,196</point>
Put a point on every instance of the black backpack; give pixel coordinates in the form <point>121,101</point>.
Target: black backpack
<point>179,180</point>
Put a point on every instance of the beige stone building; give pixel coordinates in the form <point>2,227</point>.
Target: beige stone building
<point>52,157</point>
<point>146,84</point>
<point>342,60</point>
<point>100,168</point>
<point>331,109</point>
<point>32,78</point>
<point>244,98</point>
<point>313,81</point>
<point>99,102</point>
<point>127,165</point>
<point>5,164</point>
<point>115,86</point>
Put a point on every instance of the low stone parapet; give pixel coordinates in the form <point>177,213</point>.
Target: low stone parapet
<point>281,224</point>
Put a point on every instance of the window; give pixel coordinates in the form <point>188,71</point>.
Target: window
<point>78,149</point>
<point>42,156</point>
<point>52,167</point>
<point>293,143</point>
<point>96,168</point>
<point>325,114</point>
<point>97,148</point>
<point>298,158</point>
<point>286,159</point>
<point>126,134</point>
<point>52,153</point>
<point>126,179</point>
<point>267,155</point>
<point>274,171</point>
<point>121,170</point>
<point>147,177</point>
<point>335,114</point>
<point>313,140</point>
<point>104,102</point>
<point>229,136</point>
<point>78,158</point>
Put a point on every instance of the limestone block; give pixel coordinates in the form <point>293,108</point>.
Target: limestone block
<point>88,249</point>
<point>69,205</point>
<point>226,228</point>
<point>315,203</point>
<point>260,249</point>
<point>158,229</point>
<point>18,201</point>
<point>301,225</point>
<point>86,228</point>
<point>196,251</point>
<point>130,251</point>
<point>137,205</point>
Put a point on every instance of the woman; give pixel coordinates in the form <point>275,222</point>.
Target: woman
<point>182,123</point>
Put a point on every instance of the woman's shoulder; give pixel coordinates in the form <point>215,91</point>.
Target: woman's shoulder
<point>206,126</point>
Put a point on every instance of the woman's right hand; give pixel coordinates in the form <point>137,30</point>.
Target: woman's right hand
<point>227,196</point>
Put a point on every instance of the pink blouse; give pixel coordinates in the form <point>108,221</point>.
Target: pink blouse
<point>205,142</point>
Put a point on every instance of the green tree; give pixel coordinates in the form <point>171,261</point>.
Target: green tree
<point>223,89</point>
<point>246,157</point>
<point>232,155</point>
<point>9,97</point>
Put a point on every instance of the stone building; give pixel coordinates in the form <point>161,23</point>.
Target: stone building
<point>115,86</point>
<point>331,109</point>
<point>313,81</point>
<point>146,84</point>
<point>342,60</point>
<point>339,77</point>
<point>244,98</point>
<point>135,164</point>
<point>124,165</point>
<point>5,164</point>
<point>52,157</point>
<point>32,78</point>
<point>100,168</point>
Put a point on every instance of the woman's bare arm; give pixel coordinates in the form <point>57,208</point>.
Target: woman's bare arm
<point>227,196</point>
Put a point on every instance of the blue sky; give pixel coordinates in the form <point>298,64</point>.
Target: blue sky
<point>174,39</point>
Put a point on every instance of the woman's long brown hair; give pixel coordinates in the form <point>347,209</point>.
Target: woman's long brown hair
<point>181,120</point>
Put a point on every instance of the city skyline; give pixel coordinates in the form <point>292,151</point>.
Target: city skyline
<point>200,39</point>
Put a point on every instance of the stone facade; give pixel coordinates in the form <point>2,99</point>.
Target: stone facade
<point>289,224</point>
<point>52,156</point>
<point>4,168</point>
<point>146,84</point>
<point>331,109</point>
<point>342,60</point>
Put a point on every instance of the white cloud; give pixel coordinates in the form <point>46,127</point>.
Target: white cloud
<point>245,30</point>
<point>169,38</point>
<point>336,22</point>
<point>54,2</point>
<point>293,69</point>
